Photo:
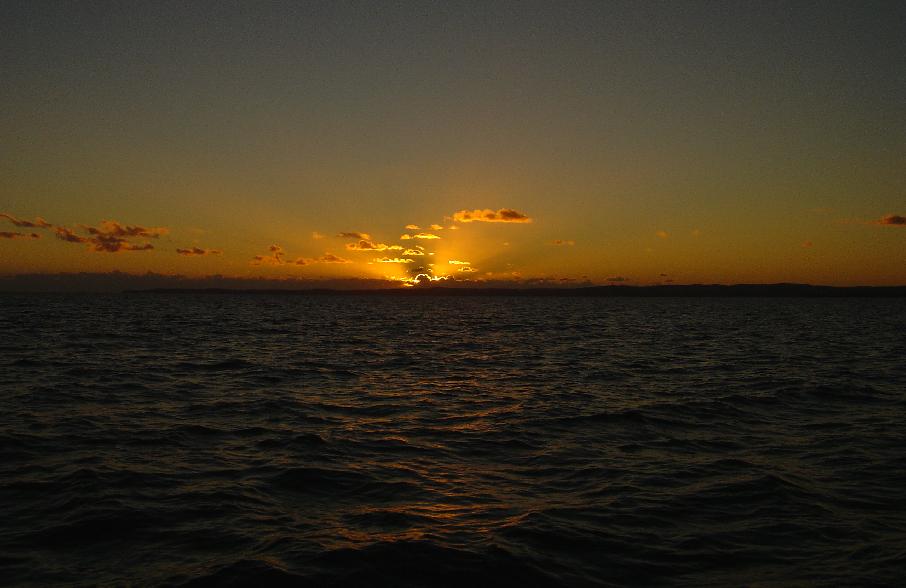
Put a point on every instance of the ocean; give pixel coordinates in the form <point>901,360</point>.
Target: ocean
<point>228,440</point>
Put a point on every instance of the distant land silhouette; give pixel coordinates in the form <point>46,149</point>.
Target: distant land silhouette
<point>693,290</point>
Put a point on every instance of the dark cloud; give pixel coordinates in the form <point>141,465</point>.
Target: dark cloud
<point>112,237</point>
<point>355,235</point>
<point>893,220</point>
<point>198,251</point>
<point>69,236</point>
<point>111,228</point>
<point>486,215</point>
<point>38,223</point>
<point>9,235</point>
<point>617,279</point>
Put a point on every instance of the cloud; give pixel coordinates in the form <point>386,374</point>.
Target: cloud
<point>503,215</point>
<point>317,236</point>
<point>111,236</point>
<point>413,252</point>
<point>617,279</point>
<point>467,270</point>
<point>412,227</point>
<point>807,244</point>
<point>457,262</point>
<point>355,235</point>
<point>38,223</point>
<point>69,236</point>
<point>568,242</point>
<point>436,227</point>
<point>9,235</point>
<point>662,234</point>
<point>331,258</point>
<point>198,251</point>
<point>275,258</point>
<point>366,245</point>
<point>392,260</point>
<point>893,220</point>
<point>113,229</point>
<point>407,236</point>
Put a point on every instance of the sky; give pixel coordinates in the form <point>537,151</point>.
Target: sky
<point>570,142</point>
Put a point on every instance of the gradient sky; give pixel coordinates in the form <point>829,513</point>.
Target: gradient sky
<point>654,141</point>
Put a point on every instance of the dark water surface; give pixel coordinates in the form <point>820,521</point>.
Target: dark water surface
<point>353,440</point>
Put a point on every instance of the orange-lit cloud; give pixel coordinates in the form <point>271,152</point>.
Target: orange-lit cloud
<point>198,251</point>
<point>392,260</point>
<point>807,244</point>
<point>355,235</point>
<point>662,234</point>
<point>38,223</point>
<point>317,236</point>
<point>486,215</point>
<point>568,242</point>
<point>457,262</point>
<point>893,220</point>
<point>407,236</point>
<point>413,252</point>
<point>9,235</point>
<point>412,227</point>
<point>467,269</point>
<point>275,258</point>
<point>436,227</point>
<point>366,245</point>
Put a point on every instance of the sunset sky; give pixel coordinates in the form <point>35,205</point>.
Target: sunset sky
<point>632,142</point>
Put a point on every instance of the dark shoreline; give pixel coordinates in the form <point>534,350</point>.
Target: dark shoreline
<point>689,291</point>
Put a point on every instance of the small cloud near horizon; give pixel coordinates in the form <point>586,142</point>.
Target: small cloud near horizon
<point>355,235</point>
<point>13,235</point>
<point>193,251</point>
<point>275,258</point>
<point>893,220</point>
<point>563,242</point>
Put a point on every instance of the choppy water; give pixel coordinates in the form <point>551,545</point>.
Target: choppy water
<point>211,440</point>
